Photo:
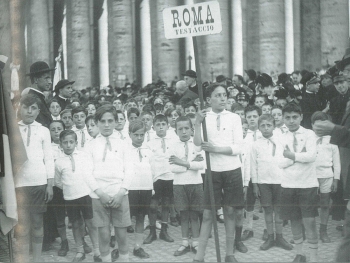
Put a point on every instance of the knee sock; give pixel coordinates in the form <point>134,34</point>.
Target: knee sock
<point>299,246</point>
<point>279,227</point>
<point>185,241</point>
<point>123,257</point>
<point>250,220</point>
<point>313,251</point>
<point>96,251</point>
<point>195,242</point>
<point>107,258</point>
<point>138,240</point>
<point>80,249</point>
<point>202,245</point>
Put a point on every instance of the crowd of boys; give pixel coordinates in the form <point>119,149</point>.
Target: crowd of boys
<point>103,156</point>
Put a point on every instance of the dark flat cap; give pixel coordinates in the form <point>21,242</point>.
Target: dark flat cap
<point>190,73</point>
<point>220,78</point>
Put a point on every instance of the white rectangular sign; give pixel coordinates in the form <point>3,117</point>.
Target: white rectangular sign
<point>192,20</point>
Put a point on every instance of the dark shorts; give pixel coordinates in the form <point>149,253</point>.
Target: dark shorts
<point>77,207</point>
<point>189,197</point>
<point>32,198</point>
<point>59,205</point>
<point>139,201</point>
<point>270,194</point>
<point>250,203</point>
<point>163,189</point>
<point>228,190</point>
<point>298,203</point>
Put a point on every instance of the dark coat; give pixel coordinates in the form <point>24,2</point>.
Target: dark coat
<point>310,104</point>
<point>188,95</point>
<point>63,102</point>
<point>337,107</point>
<point>44,117</point>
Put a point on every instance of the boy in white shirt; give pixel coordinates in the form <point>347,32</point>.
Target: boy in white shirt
<point>55,109</point>
<point>225,138</point>
<point>266,179</point>
<point>113,178</point>
<point>79,116</point>
<point>140,192</point>
<point>162,178</point>
<point>147,119</point>
<point>66,117</point>
<point>252,114</point>
<point>73,171</point>
<point>280,127</point>
<point>186,163</point>
<point>327,171</point>
<point>299,199</point>
<point>35,180</point>
<point>121,127</point>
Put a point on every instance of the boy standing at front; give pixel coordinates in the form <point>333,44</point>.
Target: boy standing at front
<point>225,138</point>
<point>34,183</point>
<point>299,199</point>
<point>111,206</point>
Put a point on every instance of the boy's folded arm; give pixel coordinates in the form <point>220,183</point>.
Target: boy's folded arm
<point>196,166</point>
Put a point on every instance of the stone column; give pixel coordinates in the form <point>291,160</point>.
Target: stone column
<point>38,32</point>
<point>146,43</point>
<point>237,37</point>
<point>168,49</point>
<point>296,29</point>
<point>78,43</point>
<point>310,35</point>
<point>289,36</point>
<point>244,34</point>
<point>253,50</point>
<point>120,41</point>
<point>5,40</point>
<point>334,30</point>
<point>272,44</point>
<point>103,46</point>
<point>154,20</point>
<point>214,50</point>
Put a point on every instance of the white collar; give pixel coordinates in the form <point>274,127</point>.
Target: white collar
<point>34,123</point>
<point>62,97</point>
<point>36,90</point>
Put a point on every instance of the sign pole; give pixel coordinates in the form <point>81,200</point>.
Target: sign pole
<point>208,177</point>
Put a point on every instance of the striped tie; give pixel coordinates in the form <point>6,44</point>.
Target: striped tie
<point>28,135</point>
<point>107,147</point>
<point>72,161</point>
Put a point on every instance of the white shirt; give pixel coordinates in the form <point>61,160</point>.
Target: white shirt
<point>141,166</point>
<point>160,160</point>
<point>150,135</point>
<point>57,118</point>
<point>278,132</point>
<point>264,165</point>
<point>77,183</point>
<point>40,165</point>
<point>182,175</point>
<point>302,172</point>
<point>79,133</point>
<point>327,158</point>
<point>230,134</point>
<point>57,151</point>
<point>110,174</point>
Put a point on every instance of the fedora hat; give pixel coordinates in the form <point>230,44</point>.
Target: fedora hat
<point>39,67</point>
<point>62,83</point>
<point>190,73</point>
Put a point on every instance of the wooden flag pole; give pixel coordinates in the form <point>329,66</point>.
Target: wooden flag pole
<point>208,178</point>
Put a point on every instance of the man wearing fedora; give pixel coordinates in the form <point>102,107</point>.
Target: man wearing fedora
<point>190,77</point>
<point>64,91</point>
<point>40,77</point>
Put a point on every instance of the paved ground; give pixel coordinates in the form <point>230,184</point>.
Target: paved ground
<point>161,251</point>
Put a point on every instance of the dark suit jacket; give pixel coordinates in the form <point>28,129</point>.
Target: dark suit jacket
<point>63,103</point>
<point>188,95</point>
<point>44,117</point>
<point>194,89</point>
<point>337,107</point>
<point>310,104</point>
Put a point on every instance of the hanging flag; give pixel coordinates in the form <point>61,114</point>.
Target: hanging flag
<point>58,71</point>
<point>12,157</point>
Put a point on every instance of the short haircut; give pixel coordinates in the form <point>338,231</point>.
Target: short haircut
<point>105,109</point>
<point>188,105</point>
<point>146,113</point>
<point>160,118</point>
<point>237,107</point>
<point>117,98</point>
<point>66,111</point>
<point>137,125</point>
<point>191,115</point>
<point>53,100</point>
<point>158,106</point>
<point>183,118</point>
<point>132,100</point>
<point>266,117</point>
<point>292,107</point>
<point>276,107</point>
<point>58,121</point>
<point>261,96</point>
<point>91,103</point>
<point>148,107</point>
<point>90,118</point>
<point>266,104</point>
<point>252,108</point>
<point>78,109</point>
<point>168,112</point>
<point>320,116</point>
<point>133,110</point>
<point>210,89</point>
<point>66,133</point>
<point>120,112</point>
<point>30,99</point>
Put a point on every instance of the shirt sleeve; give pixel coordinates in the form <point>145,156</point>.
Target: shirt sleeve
<point>58,175</point>
<point>48,155</point>
<point>237,133</point>
<point>336,162</point>
<point>128,170</point>
<point>246,165</point>
<point>89,178</point>
<point>253,164</point>
<point>309,155</point>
